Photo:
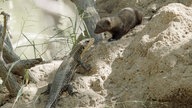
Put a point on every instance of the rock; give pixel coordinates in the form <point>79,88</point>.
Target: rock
<point>155,66</point>
<point>44,72</point>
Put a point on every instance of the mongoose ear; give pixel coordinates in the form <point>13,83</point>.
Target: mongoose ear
<point>107,22</point>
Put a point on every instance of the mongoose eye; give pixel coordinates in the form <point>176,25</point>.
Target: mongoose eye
<point>107,23</point>
<point>87,41</point>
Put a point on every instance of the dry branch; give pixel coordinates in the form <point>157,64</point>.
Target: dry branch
<point>10,63</point>
<point>91,16</point>
<point>20,66</point>
<point>9,80</point>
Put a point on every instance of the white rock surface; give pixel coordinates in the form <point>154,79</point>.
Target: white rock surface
<point>44,72</point>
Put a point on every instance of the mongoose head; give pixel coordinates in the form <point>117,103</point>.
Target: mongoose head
<point>103,25</point>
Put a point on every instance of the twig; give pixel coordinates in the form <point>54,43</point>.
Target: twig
<point>4,33</point>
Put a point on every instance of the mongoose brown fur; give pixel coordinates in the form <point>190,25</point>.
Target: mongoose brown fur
<point>120,24</point>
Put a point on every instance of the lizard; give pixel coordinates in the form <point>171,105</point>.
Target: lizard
<point>66,71</point>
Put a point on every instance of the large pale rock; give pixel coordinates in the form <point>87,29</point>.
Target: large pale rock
<point>155,69</point>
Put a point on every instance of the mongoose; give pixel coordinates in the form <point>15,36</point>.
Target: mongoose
<point>120,24</point>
